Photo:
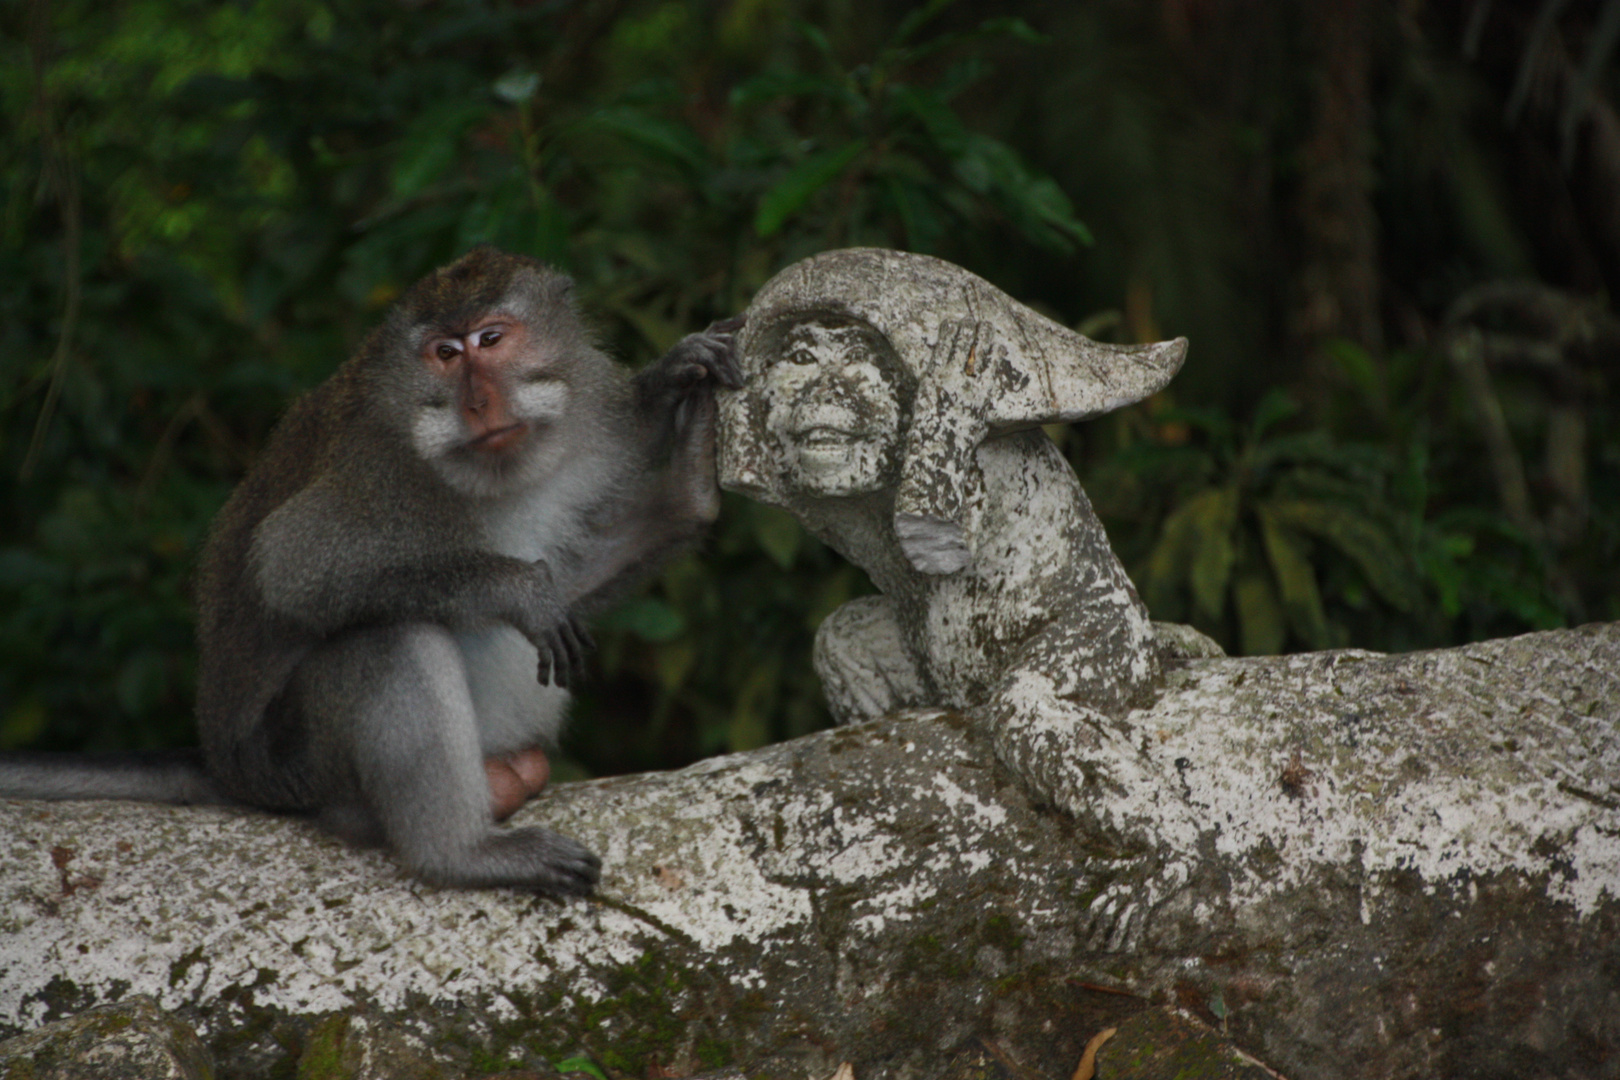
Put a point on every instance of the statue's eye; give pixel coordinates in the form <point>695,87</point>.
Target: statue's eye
<point>489,337</point>
<point>801,356</point>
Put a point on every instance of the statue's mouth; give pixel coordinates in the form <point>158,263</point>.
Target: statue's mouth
<point>825,437</point>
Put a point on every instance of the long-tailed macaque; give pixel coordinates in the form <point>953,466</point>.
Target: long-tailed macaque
<point>390,602</point>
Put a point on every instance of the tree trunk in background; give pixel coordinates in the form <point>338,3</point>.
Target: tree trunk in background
<point>1339,278</point>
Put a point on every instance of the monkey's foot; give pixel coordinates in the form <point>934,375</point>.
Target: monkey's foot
<point>514,779</point>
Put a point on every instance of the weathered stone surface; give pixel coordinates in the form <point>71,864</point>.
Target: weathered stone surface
<point>1357,865</point>
<point>131,1040</point>
<point>891,403</point>
<point>354,1046</point>
<point>1158,1044</point>
<point>1370,866</point>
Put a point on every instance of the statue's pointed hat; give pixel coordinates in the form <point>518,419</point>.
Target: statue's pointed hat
<point>984,365</point>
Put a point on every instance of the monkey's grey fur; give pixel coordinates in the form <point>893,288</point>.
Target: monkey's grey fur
<point>382,601</point>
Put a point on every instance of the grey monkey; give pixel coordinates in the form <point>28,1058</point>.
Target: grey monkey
<point>393,595</point>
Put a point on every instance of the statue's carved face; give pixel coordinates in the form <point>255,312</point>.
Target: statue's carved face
<point>834,407</point>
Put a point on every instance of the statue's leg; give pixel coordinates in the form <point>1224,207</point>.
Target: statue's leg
<point>1060,720</point>
<point>866,668</point>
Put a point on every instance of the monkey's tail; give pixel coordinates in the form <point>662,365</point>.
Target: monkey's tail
<point>166,776</point>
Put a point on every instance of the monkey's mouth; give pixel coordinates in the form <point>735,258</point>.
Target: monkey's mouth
<point>499,439</point>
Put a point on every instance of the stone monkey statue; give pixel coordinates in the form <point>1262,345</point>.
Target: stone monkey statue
<point>892,402</point>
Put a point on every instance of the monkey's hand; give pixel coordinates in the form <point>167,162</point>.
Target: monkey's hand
<point>557,634</point>
<point>697,360</point>
<point>563,650</point>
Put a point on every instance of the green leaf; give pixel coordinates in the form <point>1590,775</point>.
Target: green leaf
<point>1035,203</point>
<point>776,85</point>
<point>1194,548</point>
<point>25,722</point>
<point>1014,27</point>
<point>674,661</point>
<point>675,143</point>
<point>648,617</point>
<point>1296,581</point>
<point>917,19</point>
<point>1360,368</point>
<point>1372,548</point>
<point>432,145</point>
<point>141,682</point>
<point>778,534</point>
<point>943,126</point>
<point>802,181</point>
<point>749,728</point>
<point>1215,519</point>
<point>1273,409</point>
<point>581,1065</point>
<point>1262,623</point>
<point>816,37</point>
<point>924,226</point>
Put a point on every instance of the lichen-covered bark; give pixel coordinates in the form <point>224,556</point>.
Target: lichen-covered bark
<point>1364,865</point>
<point>132,1040</point>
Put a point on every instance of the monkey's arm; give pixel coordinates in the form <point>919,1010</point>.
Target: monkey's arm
<point>666,390</point>
<point>679,496</point>
<point>316,570</point>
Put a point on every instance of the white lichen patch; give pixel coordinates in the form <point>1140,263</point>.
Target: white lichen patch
<point>1423,763</point>
<point>98,901</point>
<point>186,905</point>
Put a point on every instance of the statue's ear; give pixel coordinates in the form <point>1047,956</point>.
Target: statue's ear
<point>748,456</point>
<point>1013,369</point>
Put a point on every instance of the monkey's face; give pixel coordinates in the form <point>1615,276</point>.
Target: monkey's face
<point>834,409</point>
<point>490,399</point>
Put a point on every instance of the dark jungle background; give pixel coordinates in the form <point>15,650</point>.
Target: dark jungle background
<point>1391,229</point>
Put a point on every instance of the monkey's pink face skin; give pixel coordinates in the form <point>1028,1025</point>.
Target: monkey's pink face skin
<point>478,366</point>
<point>492,393</point>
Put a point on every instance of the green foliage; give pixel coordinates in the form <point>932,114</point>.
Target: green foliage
<point>1273,538</point>
<point>204,206</point>
<point>581,1065</point>
<point>1260,519</point>
<point>207,205</point>
<point>891,155</point>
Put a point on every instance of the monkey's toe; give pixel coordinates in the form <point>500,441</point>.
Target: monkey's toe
<point>556,864</point>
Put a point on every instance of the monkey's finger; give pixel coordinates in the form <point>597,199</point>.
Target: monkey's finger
<point>719,362</point>
<point>568,667</point>
<point>583,646</point>
<point>573,641</point>
<point>727,326</point>
<point>727,371</point>
<point>548,664</point>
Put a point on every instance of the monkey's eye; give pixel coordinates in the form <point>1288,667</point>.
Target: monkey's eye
<point>447,351</point>
<point>489,337</point>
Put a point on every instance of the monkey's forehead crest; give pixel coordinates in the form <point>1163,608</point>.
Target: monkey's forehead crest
<point>483,280</point>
